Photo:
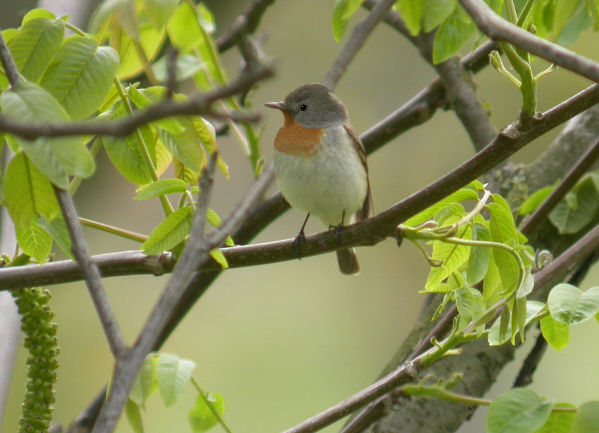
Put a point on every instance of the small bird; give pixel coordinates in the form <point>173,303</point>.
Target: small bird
<point>320,163</point>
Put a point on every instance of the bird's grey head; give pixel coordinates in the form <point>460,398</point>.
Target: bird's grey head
<point>315,106</point>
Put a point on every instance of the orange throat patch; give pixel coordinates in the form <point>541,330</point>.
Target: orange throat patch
<point>294,139</point>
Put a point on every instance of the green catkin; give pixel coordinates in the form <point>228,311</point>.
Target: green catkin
<point>42,345</point>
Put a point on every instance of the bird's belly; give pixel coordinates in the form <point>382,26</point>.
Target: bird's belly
<point>329,184</point>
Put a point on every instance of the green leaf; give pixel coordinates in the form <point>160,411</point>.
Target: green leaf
<point>503,230</point>
<point>559,422</point>
<point>81,75</point>
<point>145,98</point>
<point>35,45</point>
<point>411,11</point>
<point>435,12</point>
<point>201,417</point>
<point>577,209</point>
<point>518,411</point>
<point>342,12</point>
<point>478,261</point>
<point>562,14</point>
<point>587,418</point>
<point>452,256</point>
<point>535,200</point>
<point>471,306</point>
<point>557,334</point>
<point>464,194</point>
<point>219,258</point>
<point>34,241</point>
<point>184,28</point>
<point>452,35</point>
<point>134,416</point>
<point>186,145</point>
<point>127,154</point>
<point>501,331</point>
<point>568,304</point>
<point>146,381</point>
<point>169,232</point>
<point>173,374</point>
<point>579,22</point>
<point>160,187</point>
<point>57,157</point>
<point>27,193</point>
<point>187,66</point>
<point>37,13</point>
<point>159,11</point>
<point>150,40</point>
<point>57,228</point>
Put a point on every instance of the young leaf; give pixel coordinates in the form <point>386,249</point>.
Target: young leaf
<point>134,416</point>
<point>150,40</point>
<point>411,11</point>
<point>159,11</point>
<point>34,241</point>
<point>577,209</point>
<point>471,306</point>
<point>184,28</point>
<point>169,232</point>
<point>535,200</point>
<point>518,411</point>
<point>27,193</point>
<point>145,383</point>
<point>557,334</point>
<point>201,417</point>
<point>338,23</point>
<point>57,157</point>
<point>501,331</point>
<point>478,261</point>
<point>587,418</point>
<point>57,228</point>
<point>452,35</point>
<point>35,45</point>
<point>219,258</point>
<point>173,374</point>
<point>160,187</point>
<point>503,231</point>
<point>81,75</point>
<point>568,304</point>
<point>186,145</point>
<point>435,12</point>
<point>559,422</point>
<point>452,256</point>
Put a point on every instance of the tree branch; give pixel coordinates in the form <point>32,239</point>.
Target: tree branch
<point>245,24</point>
<point>91,274</point>
<point>194,255</point>
<point>499,29</point>
<point>357,38</point>
<point>196,104</point>
<point>366,232</point>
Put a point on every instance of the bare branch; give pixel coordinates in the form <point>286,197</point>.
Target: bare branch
<point>357,38</point>
<point>245,24</point>
<point>499,29</point>
<point>195,254</point>
<point>580,168</point>
<point>8,63</point>
<point>196,104</point>
<point>91,274</point>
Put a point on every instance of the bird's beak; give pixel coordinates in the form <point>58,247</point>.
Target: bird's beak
<point>278,105</point>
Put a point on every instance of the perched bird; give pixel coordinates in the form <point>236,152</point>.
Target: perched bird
<point>320,163</point>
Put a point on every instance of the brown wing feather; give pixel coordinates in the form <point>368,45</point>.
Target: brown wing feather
<point>367,206</point>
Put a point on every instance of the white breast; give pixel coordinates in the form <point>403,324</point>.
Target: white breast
<point>328,184</point>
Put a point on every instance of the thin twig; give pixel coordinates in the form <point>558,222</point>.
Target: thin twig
<point>585,162</point>
<point>499,29</point>
<point>244,25</point>
<point>10,69</point>
<point>91,274</point>
<point>194,255</point>
<point>196,104</point>
<point>356,40</point>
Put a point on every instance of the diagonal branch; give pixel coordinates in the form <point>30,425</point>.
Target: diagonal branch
<point>245,24</point>
<point>500,30</point>
<point>90,273</point>
<point>356,40</point>
<point>195,254</point>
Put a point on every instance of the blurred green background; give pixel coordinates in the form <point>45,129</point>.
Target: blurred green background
<point>285,341</point>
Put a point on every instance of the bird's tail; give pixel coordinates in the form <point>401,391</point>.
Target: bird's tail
<point>348,261</point>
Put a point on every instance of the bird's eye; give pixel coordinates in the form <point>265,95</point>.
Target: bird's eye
<point>303,107</point>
